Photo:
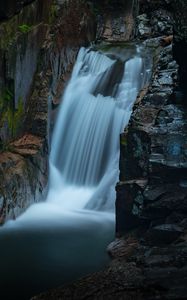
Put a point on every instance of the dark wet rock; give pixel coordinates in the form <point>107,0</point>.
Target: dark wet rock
<point>144,28</point>
<point>157,99</point>
<point>183,222</point>
<point>152,42</point>
<point>125,205</point>
<point>180,40</point>
<point>155,192</point>
<point>163,234</point>
<point>154,23</point>
<point>161,22</point>
<point>11,7</point>
<point>137,146</point>
<point>160,116</point>
<point>172,285</point>
<point>154,147</point>
<point>147,6</point>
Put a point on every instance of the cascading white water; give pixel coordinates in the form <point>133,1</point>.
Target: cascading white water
<point>85,145</point>
<point>65,237</point>
<point>84,157</point>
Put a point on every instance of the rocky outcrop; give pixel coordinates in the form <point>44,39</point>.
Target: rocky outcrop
<point>115,20</point>
<point>177,9</point>
<point>153,175</point>
<point>180,40</point>
<point>152,192</point>
<point>23,174</point>
<point>157,165</point>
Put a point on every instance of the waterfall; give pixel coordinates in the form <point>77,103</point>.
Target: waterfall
<point>85,145</point>
<point>84,158</point>
<point>95,108</point>
<point>64,237</point>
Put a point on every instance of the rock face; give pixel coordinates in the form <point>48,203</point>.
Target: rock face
<point>157,137</point>
<point>179,12</point>
<point>22,37</point>
<point>180,40</point>
<point>152,192</point>
<point>115,20</point>
<point>23,171</point>
<point>154,173</point>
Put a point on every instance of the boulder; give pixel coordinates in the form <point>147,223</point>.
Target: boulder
<point>163,234</point>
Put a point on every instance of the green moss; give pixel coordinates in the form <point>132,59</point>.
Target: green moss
<point>9,114</point>
<point>8,33</point>
<point>24,28</point>
<point>18,116</point>
<point>5,102</point>
<point>123,141</point>
<point>10,30</point>
<point>14,117</point>
<point>53,13</point>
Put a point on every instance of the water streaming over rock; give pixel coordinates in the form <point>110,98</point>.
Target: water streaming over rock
<point>95,108</point>
<point>65,237</point>
<point>85,145</point>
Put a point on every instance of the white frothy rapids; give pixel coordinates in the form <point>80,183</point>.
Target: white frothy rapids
<point>85,145</point>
